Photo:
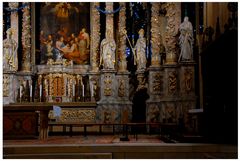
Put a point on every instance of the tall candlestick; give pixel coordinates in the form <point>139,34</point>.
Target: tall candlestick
<point>31,91</point>
<point>73,90</point>
<point>40,90</point>
<point>69,90</point>
<point>20,93</point>
<point>92,89</point>
<point>83,90</point>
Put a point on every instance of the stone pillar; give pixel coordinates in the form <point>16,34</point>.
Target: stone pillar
<point>26,38</point>
<point>170,101</point>
<point>155,91</point>
<point>155,35</point>
<point>95,32</point>
<point>173,21</point>
<point>187,90</point>
<point>122,66</point>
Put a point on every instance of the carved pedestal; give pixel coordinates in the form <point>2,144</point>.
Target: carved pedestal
<point>155,90</point>
<point>123,96</point>
<point>171,96</point>
<point>10,87</point>
<point>114,105</point>
<point>187,91</point>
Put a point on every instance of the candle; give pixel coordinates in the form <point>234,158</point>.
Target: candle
<point>92,89</point>
<point>20,92</point>
<point>40,90</point>
<point>30,91</point>
<point>69,89</point>
<point>83,90</point>
<point>73,90</point>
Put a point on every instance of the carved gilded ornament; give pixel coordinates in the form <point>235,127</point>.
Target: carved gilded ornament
<point>76,115</point>
<point>6,82</point>
<point>173,21</point>
<point>122,39</point>
<point>157,82</point>
<point>121,88</point>
<point>170,113</point>
<point>172,82</point>
<point>95,42</point>
<point>188,80</point>
<point>155,34</point>
<point>141,82</point>
<point>154,113</point>
<point>108,85</point>
<point>26,38</point>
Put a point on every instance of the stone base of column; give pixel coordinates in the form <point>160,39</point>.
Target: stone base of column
<point>10,87</point>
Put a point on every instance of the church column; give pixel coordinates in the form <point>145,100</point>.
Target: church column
<point>173,21</point>
<point>122,66</point>
<point>95,40</point>
<point>94,74</point>
<point>26,38</point>
<point>155,35</point>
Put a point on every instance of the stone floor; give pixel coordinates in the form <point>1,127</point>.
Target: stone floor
<point>91,139</point>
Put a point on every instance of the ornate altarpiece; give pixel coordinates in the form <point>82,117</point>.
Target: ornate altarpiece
<point>170,84</point>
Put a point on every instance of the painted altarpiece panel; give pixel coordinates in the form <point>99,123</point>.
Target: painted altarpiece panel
<point>65,32</point>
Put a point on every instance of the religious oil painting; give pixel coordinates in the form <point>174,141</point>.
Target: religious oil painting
<point>64,32</point>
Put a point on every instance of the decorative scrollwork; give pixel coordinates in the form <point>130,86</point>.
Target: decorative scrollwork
<point>76,115</point>
<point>155,36</point>
<point>26,38</point>
<point>173,22</point>
<point>108,85</point>
<point>188,80</point>
<point>172,82</point>
<point>95,42</point>
<point>157,83</point>
<point>6,80</point>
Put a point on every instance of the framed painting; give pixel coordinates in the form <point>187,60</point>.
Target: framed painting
<point>64,31</point>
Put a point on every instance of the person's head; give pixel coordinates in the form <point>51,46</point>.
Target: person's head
<point>72,35</point>
<point>61,39</point>
<point>41,32</point>
<point>108,34</point>
<point>76,39</point>
<point>141,33</point>
<point>10,32</point>
<point>49,37</point>
<point>186,19</point>
<point>83,30</point>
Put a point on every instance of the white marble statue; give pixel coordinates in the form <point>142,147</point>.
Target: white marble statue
<point>10,57</point>
<point>186,40</point>
<point>107,51</point>
<point>140,49</point>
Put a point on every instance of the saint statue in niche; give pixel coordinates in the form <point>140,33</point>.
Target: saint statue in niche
<point>107,51</point>
<point>186,40</point>
<point>140,48</point>
<point>10,57</point>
